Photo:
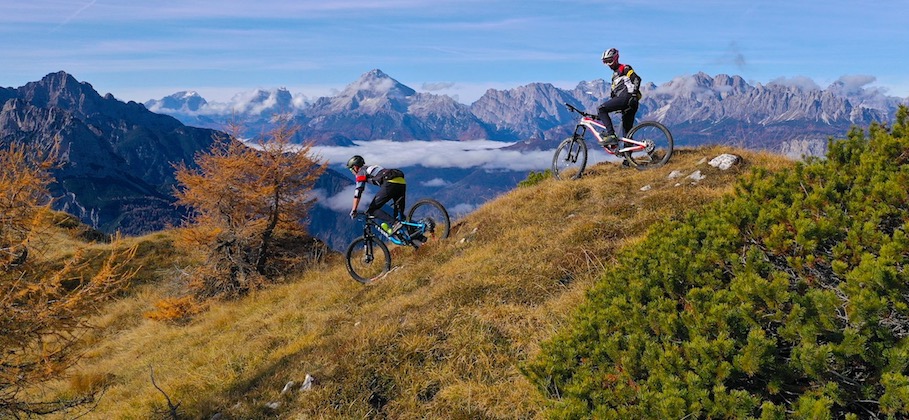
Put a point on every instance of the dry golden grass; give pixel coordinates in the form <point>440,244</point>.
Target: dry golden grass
<point>442,336</point>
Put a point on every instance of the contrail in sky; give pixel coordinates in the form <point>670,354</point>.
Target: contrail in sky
<point>76,13</point>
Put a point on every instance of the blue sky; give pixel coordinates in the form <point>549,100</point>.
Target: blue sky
<point>140,50</point>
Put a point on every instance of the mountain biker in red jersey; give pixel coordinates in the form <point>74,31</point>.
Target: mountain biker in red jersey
<point>626,92</point>
<point>392,187</point>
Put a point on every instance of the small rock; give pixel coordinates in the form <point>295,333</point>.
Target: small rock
<point>646,188</point>
<point>676,174</point>
<point>307,383</point>
<point>273,405</point>
<point>288,387</point>
<point>697,176</point>
<point>469,236</point>
<point>724,161</point>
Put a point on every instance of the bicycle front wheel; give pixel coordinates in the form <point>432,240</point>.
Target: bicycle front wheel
<point>431,213</point>
<point>570,158</point>
<point>658,145</point>
<point>367,259</point>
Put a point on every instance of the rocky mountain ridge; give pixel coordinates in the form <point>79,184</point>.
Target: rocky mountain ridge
<point>787,116</point>
<point>116,158</point>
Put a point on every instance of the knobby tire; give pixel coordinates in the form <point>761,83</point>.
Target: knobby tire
<point>661,139</point>
<point>570,158</point>
<point>429,210</point>
<point>361,270</point>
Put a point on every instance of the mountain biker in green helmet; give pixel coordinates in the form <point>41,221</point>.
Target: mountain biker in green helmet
<point>392,187</point>
<point>624,97</point>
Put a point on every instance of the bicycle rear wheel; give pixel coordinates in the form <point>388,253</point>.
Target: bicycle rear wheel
<point>570,158</point>
<point>367,259</point>
<point>433,215</point>
<point>658,148</point>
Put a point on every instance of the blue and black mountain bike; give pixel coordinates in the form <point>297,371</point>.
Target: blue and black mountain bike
<point>368,258</point>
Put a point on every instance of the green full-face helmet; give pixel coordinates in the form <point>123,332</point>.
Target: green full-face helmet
<point>355,160</point>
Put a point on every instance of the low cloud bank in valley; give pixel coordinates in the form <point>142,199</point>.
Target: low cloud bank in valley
<point>485,154</point>
<point>481,154</point>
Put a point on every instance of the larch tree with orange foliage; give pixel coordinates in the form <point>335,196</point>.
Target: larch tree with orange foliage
<point>44,302</point>
<point>243,199</point>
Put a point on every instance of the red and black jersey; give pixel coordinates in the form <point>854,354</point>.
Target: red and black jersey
<point>626,81</point>
<point>376,175</point>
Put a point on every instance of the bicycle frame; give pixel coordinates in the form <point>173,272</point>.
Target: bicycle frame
<point>404,238</point>
<point>646,145</point>
<point>595,126</point>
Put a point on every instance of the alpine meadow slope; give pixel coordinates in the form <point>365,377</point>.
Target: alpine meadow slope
<point>442,336</point>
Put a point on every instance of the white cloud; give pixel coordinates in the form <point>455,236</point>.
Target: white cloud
<point>856,83</point>
<point>798,82</point>
<point>341,201</point>
<point>436,86</point>
<point>435,182</point>
<point>485,154</point>
<point>49,10</point>
<point>462,209</point>
<point>481,154</point>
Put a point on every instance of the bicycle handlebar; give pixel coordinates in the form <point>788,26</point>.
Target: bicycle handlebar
<point>363,216</point>
<point>573,109</point>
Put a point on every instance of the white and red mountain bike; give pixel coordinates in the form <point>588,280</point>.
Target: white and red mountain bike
<point>646,145</point>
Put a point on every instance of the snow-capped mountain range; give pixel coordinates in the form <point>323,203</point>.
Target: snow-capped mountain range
<point>793,116</point>
<point>117,171</point>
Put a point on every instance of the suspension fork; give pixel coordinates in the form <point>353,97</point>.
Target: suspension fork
<point>575,148</point>
<point>367,244</point>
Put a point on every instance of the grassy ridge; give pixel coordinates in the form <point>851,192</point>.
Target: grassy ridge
<point>789,299</point>
<point>441,336</point>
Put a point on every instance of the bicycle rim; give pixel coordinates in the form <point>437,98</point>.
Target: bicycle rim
<point>570,158</point>
<point>658,148</point>
<point>367,259</point>
<point>431,213</point>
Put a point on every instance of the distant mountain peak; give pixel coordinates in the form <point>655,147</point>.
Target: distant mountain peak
<point>59,89</point>
<point>185,101</point>
<point>375,83</point>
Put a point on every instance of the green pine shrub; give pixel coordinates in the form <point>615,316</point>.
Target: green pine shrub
<point>534,178</point>
<point>788,299</point>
